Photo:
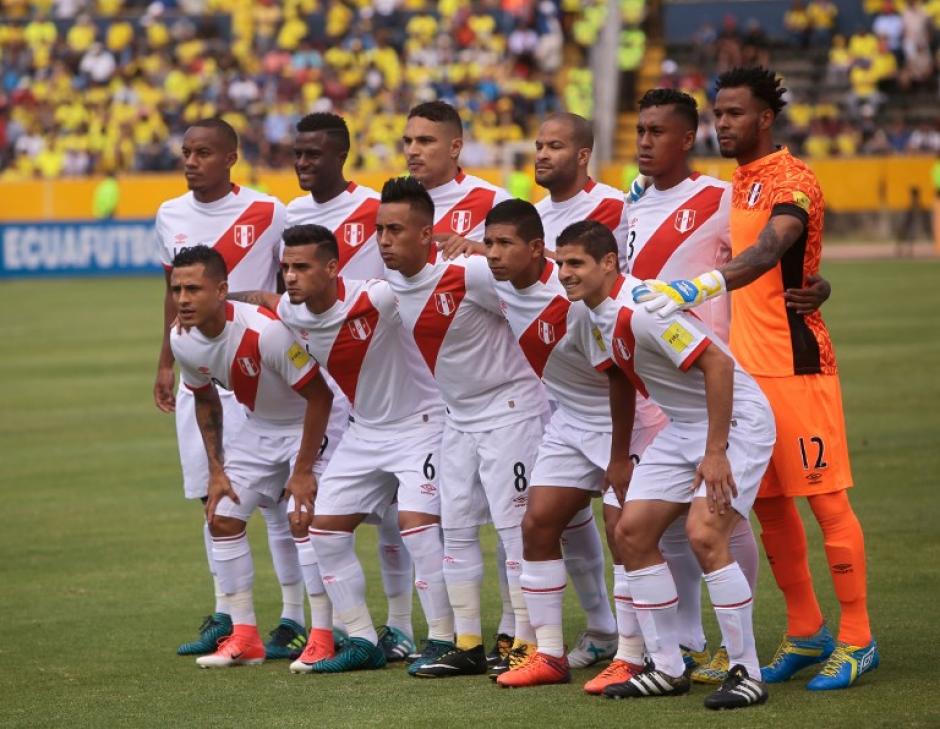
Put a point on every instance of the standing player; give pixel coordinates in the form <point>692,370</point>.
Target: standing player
<point>495,413</point>
<point>244,226</point>
<point>321,147</point>
<point>708,461</point>
<point>246,350</point>
<point>776,237</point>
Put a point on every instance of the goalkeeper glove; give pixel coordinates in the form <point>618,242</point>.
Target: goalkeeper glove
<point>637,188</point>
<point>669,297</point>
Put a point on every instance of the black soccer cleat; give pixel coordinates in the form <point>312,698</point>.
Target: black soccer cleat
<point>455,662</point>
<point>738,691</point>
<point>648,683</point>
<point>500,649</point>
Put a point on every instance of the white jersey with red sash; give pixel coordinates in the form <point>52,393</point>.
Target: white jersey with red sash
<point>461,205</point>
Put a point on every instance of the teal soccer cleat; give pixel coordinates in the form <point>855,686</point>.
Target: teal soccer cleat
<point>845,665</point>
<point>357,654</point>
<point>287,640</point>
<point>213,629</point>
<point>433,649</point>
<point>795,654</point>
<point>394,643</point>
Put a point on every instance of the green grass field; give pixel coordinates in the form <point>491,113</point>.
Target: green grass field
<point>102,569</point>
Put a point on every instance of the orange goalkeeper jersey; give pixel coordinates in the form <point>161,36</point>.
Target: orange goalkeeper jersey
<point>767,338</point>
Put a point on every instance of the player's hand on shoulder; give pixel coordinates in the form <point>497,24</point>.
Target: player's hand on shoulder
<point>219,487</point>
<point>454,246</point>
<point>809,298</point>
<point>619,473</point>
<point>163,392</point>
<point>715,471</point>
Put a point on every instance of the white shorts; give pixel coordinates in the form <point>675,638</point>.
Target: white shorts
<point>640,440</point>
<point>371,468</point>
<point>193,459</point>
<point>486,475</point>
<point>335,430</point>
<point>667,470</point>
<point>571,456</point>
<point>258,465</point>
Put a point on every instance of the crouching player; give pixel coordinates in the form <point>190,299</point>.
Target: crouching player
<point>245,349</point>
<point>708,460</point>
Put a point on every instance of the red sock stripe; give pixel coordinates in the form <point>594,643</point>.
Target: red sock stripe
<point>323,533</point>
<point>624,598</point>
<point>230,539</point>
<point>301,540</point>
<point>544,589</point>
<point>734,605</point>
<point>583,523</point>
<point>655,605</point>
<point>418,529</point>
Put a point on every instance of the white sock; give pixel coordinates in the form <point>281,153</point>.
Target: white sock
<point>286,565</point>
<point>743,548</point>
<point>584,560</point>
<point>236,572</point>
<point>511,537</point>
<point>733,603</point>
<point>221,604</point>
<point>630,645</point>
<point>687,573</point>
<point>543,587</point>
<point>507,618</point>
<point>321,610</point>
<point>344,581</point>
<point>463,575</point>
<point>427,552</point>
<point>655,601</point>
<point>397,573</point>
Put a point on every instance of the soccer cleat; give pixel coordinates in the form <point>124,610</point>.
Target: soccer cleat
<point>357,654</point>
<point>320,645</point>
<point>694,659</point>
<point>394,643</point>
<point>738,691</point>
<point>516,657</point>
<point>500,649</point>
<point>591,648</point>
<point>432,651</point>
<point>339,639</point>
<point>242,648</point>
<point>287,640</point>
<point>213,629</point>
<point>455,662</point>
<point>846,663</point>
<point>715,671</point>
<point>617,672</point>
<point>795,654</point>
<point>649,682</point>
<point>539,669</point>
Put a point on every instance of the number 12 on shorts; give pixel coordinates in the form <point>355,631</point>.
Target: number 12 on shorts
<point>815,452</point>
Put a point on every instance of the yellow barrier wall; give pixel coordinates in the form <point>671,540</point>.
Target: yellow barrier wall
<point>850,185</point>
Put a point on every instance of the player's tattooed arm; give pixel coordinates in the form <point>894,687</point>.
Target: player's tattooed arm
<point>163,385</point>
<point>715,468</point>
<point>209,420</point>
<point>622,413</point>
<point>266,299</point>
<point>302,484</point>
<point>781,232</point>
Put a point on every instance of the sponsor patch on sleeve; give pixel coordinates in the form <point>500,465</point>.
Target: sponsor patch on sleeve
<point>298,357</point>
<point>677,337</point>
<point>801,200</point>
<point>598,339</point>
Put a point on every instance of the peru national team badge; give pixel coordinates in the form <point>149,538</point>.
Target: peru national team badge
<point>359,328</point>
<point>248,366</point>
<point>546,332</point>
<point>444,303</point>
<point>685,220</point>
<point>620,347</point>
<point>460,221</point>
<point>753,194</point>
<point>354,234</point>
<point>244,235</point>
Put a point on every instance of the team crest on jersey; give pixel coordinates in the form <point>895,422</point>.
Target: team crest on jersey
<point>546,332</point>
<point>205,371</point>
<point>460,221</point>
<point>753,194</point>
<point>623,352</point>
<point>685,220</point>
<point>444,303</point>
<point>359,328</point>
<point>180,238</point>
<point>248,366</point>
<point>354,234</point>
<point>244,235</point>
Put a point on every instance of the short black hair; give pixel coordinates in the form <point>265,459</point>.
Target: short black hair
<point>763,83</point>
<point>312,234</point>
<point>226,130</point>
<point>582,130</point>
<point>441,112</point>
<point>521,214</point>
<point>594,237</point>
<point>332,124</point>
<point>408,190</point>
<point>209,257</point>
<point>683,104</point>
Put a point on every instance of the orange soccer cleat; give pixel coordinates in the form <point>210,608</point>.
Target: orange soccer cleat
<point>539,669</point>
<point>319,646</point>
<point>242,648</point>
<point>617,672</point>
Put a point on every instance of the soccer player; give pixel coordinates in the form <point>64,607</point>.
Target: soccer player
<point>432,142</point>
<point>776,238</point>
<point>246,350</point>
<point>708,461</point>
<point>244,226</point>
<point>390,451</point>
<point>556,337</point>
<point>496,409</point>
<point>321,147</point>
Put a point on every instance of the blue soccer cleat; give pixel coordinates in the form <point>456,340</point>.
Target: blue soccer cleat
<point>432,651</point>
<point>845,665</point>
<point>356,654</point>
<point>213,629</point>
<point>286,641</point>
<point>795,654</point>
<point>394,643</point>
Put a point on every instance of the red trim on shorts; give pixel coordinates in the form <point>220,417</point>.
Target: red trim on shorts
<point>242,533</point>
<point>542,590</point>
<point>624,598</point>
<point>655,605</point>
<point>732,606</point>
<point>695,354</point>
<point>418,529</point>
